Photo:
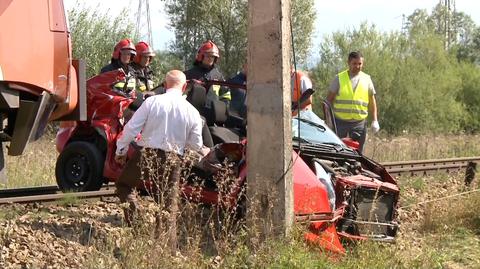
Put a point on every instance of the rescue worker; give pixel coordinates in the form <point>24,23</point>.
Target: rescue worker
<point>238,103</point>
<point>141,65</point>
<point>300,83</point>
<point>169,124</point>
<point>204,69</point>
<point>123,54</point>
<point>352,96</point>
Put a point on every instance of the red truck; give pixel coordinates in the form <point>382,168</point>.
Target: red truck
<point>39,80</point>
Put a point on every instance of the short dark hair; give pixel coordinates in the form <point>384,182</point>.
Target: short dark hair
<point>355,55</point>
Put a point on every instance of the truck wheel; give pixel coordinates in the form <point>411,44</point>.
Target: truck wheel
<point>80,167</point>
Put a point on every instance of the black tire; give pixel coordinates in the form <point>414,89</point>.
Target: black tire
<point>80,167</point>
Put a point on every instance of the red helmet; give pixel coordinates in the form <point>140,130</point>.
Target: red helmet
<point>124,44</point>
<point>207,48</point>
<point>143,49</point>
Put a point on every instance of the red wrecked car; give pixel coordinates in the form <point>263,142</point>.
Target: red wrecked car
<point>338,192</point>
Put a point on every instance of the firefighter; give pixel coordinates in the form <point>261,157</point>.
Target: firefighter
<point>123,54</point>
<point>238,103</point>
<point>141,65</point>
<point>204,69</point>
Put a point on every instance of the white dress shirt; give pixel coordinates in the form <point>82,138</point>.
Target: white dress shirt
<point>166,121</point>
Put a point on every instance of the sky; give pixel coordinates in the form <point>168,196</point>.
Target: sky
<point>331,15</point>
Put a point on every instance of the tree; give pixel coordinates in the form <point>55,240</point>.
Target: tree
<point>456,29</point>
<point>303,19</point>
<point>469,49</point>
<point>469,96</point>
<point>94,34</point>
<point>163,62</point>
<point>225,22</point>
<point>416,79</point>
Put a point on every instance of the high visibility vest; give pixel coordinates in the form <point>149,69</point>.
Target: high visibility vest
<point>350,104</point>
<point>130,86</point>
<point>222,95</point>
<point>297,85</point>
<point>142,87</point>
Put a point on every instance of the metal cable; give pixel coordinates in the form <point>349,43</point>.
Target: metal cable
<point>439,199</point>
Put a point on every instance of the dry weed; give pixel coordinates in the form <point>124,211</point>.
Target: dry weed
<point>411,147</point>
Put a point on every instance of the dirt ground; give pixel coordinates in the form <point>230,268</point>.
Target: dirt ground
<point>66,235</point>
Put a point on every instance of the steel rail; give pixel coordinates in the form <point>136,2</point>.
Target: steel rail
<point>29,191</point>
<point>428,167</point>
<point>412,168</point>
<point>415,163</point>
<point>58,196</point>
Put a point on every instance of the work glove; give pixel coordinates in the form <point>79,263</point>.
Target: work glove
<point>375,126</point>
<point>121,159</point>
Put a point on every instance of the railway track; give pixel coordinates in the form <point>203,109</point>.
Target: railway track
<point>403,168</point>
<point>49,193</point>
<point>427,167</point>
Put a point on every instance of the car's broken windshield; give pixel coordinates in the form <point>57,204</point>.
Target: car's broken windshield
<point>313,129</point>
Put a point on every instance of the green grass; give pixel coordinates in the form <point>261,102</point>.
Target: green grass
<point>418,184</point>
<point>10,214</point>
<point>69,199</point>
<point>36,167</point>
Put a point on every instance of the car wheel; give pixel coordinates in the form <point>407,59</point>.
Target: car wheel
<point>80,167</point>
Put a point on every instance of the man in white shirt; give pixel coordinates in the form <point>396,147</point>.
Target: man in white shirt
<point>168,124</point>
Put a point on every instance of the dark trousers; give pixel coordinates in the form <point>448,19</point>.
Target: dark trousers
<point>355,130</point>
<point>158,172</point>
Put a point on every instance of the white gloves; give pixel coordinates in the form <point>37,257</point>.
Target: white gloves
<point>375,126</point>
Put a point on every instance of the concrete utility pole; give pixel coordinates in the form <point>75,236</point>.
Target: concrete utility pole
<point>269,150</point>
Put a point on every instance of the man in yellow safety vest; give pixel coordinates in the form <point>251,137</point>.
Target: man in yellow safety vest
<point>352,96</point>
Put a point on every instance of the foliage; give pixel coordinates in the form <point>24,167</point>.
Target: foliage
<point>225,22</point>
<point>469,50</point>
<point>469,96</point>
<point>426,77</point>
<point>95,33</point>
<point>418,82</point>
<point>222,21</point>
<point>303,18</point>
<point>163,62</point>
<point>456,29</point>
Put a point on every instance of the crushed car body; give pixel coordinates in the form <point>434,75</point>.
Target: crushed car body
<point>338,193</point>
